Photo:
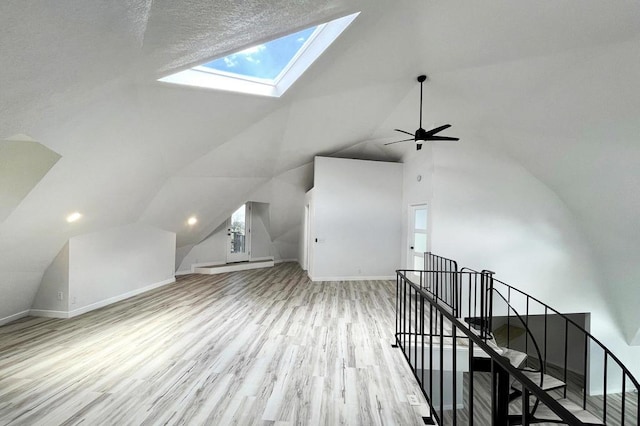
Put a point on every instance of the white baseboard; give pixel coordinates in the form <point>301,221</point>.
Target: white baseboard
<point>14,317</point>
<point>183,272</point>
<point>49,314</point>
<point>100,304</point>
<point>286,260</point>
<point>356,278</point>
<point>194,266</point>
<point>212,263</point>
<point>118,298</point>
<point>234,267</point>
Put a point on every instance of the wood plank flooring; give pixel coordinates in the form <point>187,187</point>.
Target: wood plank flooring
<point>261,347</point>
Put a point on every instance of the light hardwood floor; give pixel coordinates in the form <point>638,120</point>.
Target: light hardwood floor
<point>261,347</point>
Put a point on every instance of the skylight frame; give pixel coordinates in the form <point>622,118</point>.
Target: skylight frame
<point>321,38</point>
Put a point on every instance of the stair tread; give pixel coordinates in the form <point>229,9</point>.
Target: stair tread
<point>544,413</point>
<point>516,358</point>
<point>548,382</point>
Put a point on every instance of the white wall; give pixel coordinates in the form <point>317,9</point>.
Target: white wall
<point>417,163</point>
<point>54,280</point>
<point>261,245</point>
<point>116,263</point>
<point>357,215</point>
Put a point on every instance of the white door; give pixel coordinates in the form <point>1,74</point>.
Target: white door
<point>417,238</point>
<point>238,235</point>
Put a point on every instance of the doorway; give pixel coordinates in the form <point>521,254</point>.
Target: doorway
<point>238,235</point>
<point>417,238</point>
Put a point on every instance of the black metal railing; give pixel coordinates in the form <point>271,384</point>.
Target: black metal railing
<point>434,343</point>
<point>580,360</point>
<point>441,280</point>
<point>555,344</point>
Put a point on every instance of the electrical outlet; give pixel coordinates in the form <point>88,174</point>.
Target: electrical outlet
<point>413,400</point>
<point>60,295</point>
<point>73,300</point>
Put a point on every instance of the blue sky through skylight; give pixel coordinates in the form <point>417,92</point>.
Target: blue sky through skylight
<point>265,61</point>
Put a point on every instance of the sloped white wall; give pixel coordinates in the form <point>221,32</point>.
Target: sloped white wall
<point>357,215</point>
<point>117,263</point>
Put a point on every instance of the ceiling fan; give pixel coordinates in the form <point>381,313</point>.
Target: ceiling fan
<point>422,134</point>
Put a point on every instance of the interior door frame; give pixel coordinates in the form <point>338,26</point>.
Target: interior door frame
<point>410,231</point>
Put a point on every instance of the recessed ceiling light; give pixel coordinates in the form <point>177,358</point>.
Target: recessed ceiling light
<point>192,220</point>
<point>73,217</point>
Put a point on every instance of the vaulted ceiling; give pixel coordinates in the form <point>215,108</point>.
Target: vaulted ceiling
<point>552,84</point>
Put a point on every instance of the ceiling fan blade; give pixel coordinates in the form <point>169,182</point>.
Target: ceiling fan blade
<point>402,131</point>
<point>442,138</point>
<point>438,129</point>
<point>404,140</point>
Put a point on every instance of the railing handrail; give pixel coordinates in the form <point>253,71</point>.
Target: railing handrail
<point>555,406</point>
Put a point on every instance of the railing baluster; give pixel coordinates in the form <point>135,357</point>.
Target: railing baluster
<point>454,376</point>
<point>401,313</point>
<point>604,395</point>
<point>586,352</point>
<point>441,367</point>
<point>415,346</point>
<point>624,397</point>
<point>470,298</point>
<point>406,320</point>
<point>525,406</point>
<point>482,307</point>
<point>431,349</point>
<point>470,382</point>
<point>545,340</point>
<point>509,317</point>
<point>526,336</point>
<point>422,339</point>
<point>566,350</point>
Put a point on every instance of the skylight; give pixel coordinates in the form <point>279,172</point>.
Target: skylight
<point>267,69</point>
<point>264,61</point>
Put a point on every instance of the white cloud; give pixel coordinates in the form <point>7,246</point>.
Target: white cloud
<point>230,61</point>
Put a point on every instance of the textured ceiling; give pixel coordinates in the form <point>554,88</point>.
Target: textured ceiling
<point>551,83</point>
